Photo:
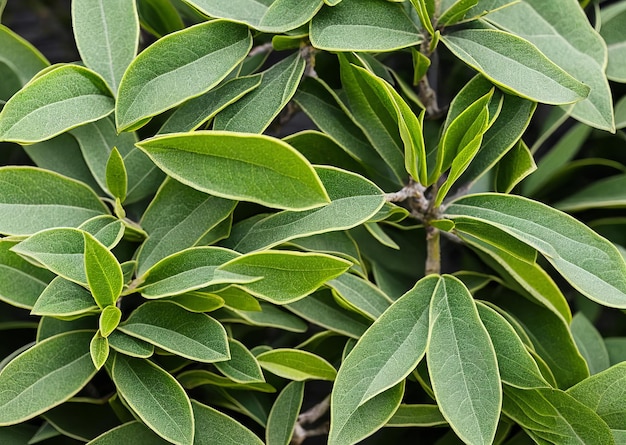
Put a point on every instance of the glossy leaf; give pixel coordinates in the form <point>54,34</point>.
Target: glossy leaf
<point>236,166</point>
<point>156,397</point>
<point>501,57</point>
<point>63,298</point>
<point>107,35</point>
<point>32,199</point>
<point>367,26</point>
<point>203,55</point>
<point>297,365</point>
<point>135,432</point>
<point>462,364</point>
<point>392,347</point>
<point>99,350</point>
<point>212,427</point>
<point>286,276</point>
<point>590,344</point>
<point>242,366</point>
<point>109,320</point>
<point>60,99</point>
<point>103,272</point>
<point>589,262</point>
<point>284,414</point>
<point>58,368</point>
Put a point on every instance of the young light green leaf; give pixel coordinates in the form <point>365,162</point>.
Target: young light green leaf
<point>198,301</point>
<point>297,365</point>
<point>590,344</point>
<point>103,272</point>
<point>572,44</point>
<point>186,63</point>
<point>107,35</point>
<point>109,320</point>
<point>22,58</point>
<point>354,200</point>
<point>612,31</point>
<point>367,26</point>
<point>284,414</point>
<point>64,97</point>
<point>128,345</point>
<point>32,199</point>
<point>242,366</point>
<point>589,262</point>
<point>236,298</point>
<point>99,350</point>
<point>417,415</point>
<point>193,113</point>
<point>116,175</point>
<point>256,111</point>
<point>462,364</point>
<point>63,298</point>
<point>135,432</point>
<point>245,167</point>
<point>502,57</point>
<point>172,328</point>
<point>366,298</point>
<point>286,276</point>
<point>156,397</point>
<point>371,368</point>
<point>514,166</point>
<point>213,427</point>
<point>58,368</point>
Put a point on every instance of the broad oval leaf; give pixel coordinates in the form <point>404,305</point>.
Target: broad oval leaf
<point>99,350</point>
<point>294,364</point>
<point>286,276</point>
<point>134,432</point>
<point>58,368</point>
<point>244,167</point>
<point>284,414</point>
<point>502,57</point>
<point>109,320</point>
<point>62,98</point>
<point>33,199</point>
<point>462,364</point>
<point>107,35</point>
<point>63,298</point>
<point>156,397</point>
<point>367,25</point>
<point>184,64</point>
<point>385,355</point>
<point>103,272</point>
<point>214,427</point>
<point>354,200</point>
<point>172,328</point>
<point>589,262</point>
<point>242,367</point>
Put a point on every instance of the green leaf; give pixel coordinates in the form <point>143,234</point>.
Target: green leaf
<point>82,420</point>
<point>590,344</point>
<point>462,364</point>
<point>103,272</point>
<point>20,57</point>
<point>269,316</point>
<point>242,366</point>
<point>107,229</point>
<point>516,366</point>
<point>360,294</point>
<point>63,298</point>
<point>552,416</point>
<point>21,283</point>
<point>159,17</point>
<point>236,298</point>
<point>256,111</point>
<point>188,270</point>
<point>198,301</point>
<point>99,350</point>
<point>286,276</point>
<point>128,345</point>
<point>589,262</point>
<point>456,12</point>
<point>135,432</point>
<point>109,320</point>
<point>514,166</point>
<point>371,368</point>
<point>32,199</point>
<point>58,368</point>
<point>605,193</point>
<point>107,34</point>
<point>368,25</point>
<point>516,65</point>
<point>116,175</point>
<point>354,200</point>
<point>417,415</point>
<point>572,44</point>
<point>246,167</point>
<point>156,397</point>
<point>213,427</point>
<point>284,414</point>
<point>199,377</point>
<point>604,393</point>
<point>172,328</point>
<point>62,98</point>
<point>297,365</point>
<point>195,112</point>
<point>186,63</point>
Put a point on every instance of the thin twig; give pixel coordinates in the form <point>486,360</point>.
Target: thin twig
<point>309,417</point>
<point>264,48</point>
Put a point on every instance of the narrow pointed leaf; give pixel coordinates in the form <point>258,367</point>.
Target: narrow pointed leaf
<point>170,327</point>
<point>462,364</point>
<point>286,276</point>
<point>32,199</point>
<point>63,298</point>
<point>156,397</point>
<point>387,352</point>
<point>589,262</point>
<point>213,427</point>
<point>236,166</point>
<point>501,57</point>
<point>109,320</point>
<point>60,99</point>
<point>456,12</point>
<point>107,35</point>
<point>99,350</point>
<point>135,432</point>
<point>103,272</point>
<point>514,166</point>
<point>58,368</point>
<point>203,55</point>
<point>284,414</point>
<point>297,365</point>
<point>116,175</point>
<point>242,366</point>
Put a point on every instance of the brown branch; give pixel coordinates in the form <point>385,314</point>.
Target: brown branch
<point>309,417</point>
